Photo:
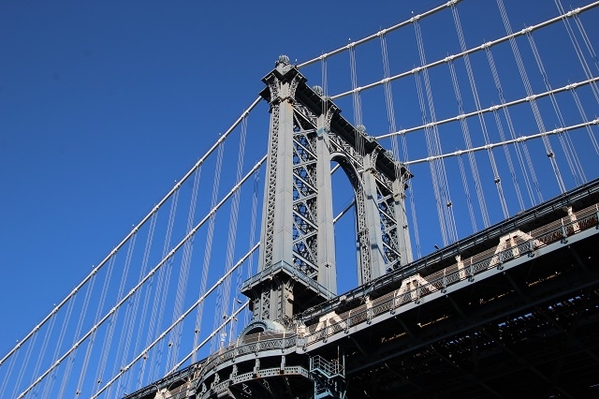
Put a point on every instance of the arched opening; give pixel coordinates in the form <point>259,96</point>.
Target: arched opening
<point>344,211</point>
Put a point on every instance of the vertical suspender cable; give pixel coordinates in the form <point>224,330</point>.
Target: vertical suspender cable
<point>129,325</point>
<point>467,192</point>
<point>99,310</point>
<point>481,119</point>
<point>24,364</point>
<point>584,65</point>
<point>132,291</point>
<point>357,106</point>
<point>186,260</point>
<point>224,290</point>
<point>471,158</point>
<point>207,250</point>
<point>233,222</point>
<point>440,183</point>
<point>143,318</point>
<point>388,93</point>
<point>528,89</point>
<point>571,158</point>
<point>106,345</point>
<point>506,114</point>
<point>433,171</point>
<point>131,233</point>
<point>393,127</point>
<point>578,49</point>
<point>532,102</point>
<point>324,73</point>
<point>413,214</point>
<point>253,232</point>
<point>585,119</point>
<point>108,335</point>
<point>115,315</point>
<point>357,103</point>
<point>11,366</point>
<point>394,141</point>
<point>71,358</point>
<point>42,353</point>
<point>161,294</point>
<point>58,344</point>
<point>508,158</point>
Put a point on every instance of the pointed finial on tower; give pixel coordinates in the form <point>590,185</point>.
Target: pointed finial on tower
<point>283,59</point>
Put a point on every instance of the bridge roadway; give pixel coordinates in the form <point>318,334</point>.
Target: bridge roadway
<point>512,310</point>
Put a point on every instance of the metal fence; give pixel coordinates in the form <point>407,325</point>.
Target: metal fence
<point>415,288</point>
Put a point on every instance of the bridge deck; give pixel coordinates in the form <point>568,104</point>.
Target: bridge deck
<point>515,313</point>
<point>518,319</point>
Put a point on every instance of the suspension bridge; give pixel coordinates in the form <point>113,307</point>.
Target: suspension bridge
<point>414,212</point>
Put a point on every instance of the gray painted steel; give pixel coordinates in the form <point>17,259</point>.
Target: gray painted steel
<point>297,266</point>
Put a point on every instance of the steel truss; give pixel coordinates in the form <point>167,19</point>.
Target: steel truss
<point>297,259</point>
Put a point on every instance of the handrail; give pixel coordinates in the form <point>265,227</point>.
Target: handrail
<point>558,230</point>
<point>514,245</point>
<point>251,343</point>
<point>438,281</point>
<point>588,190</point>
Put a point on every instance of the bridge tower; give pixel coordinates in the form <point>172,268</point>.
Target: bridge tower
<point>297,267</point>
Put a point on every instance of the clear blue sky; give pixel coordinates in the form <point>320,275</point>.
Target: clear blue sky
<point>104,104</point>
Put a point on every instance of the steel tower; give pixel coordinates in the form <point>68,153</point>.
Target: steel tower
<point>297,266</point>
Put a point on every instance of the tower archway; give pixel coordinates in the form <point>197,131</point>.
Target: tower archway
<point>297,249</point>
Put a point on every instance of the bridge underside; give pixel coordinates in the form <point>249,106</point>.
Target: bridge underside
<point>529,330</point>
<point>524,325</point>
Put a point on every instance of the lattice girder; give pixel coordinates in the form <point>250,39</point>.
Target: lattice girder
<point>306,134</point>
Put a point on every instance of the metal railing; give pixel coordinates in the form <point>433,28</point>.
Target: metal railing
<point>251,343</point>
<point>516,245</point>
<point>329,369</point>
<point>558,230</point>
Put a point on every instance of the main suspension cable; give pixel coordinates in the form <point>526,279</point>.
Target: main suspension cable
<point>503,106</point>
<point>529,92</point>
<point>222,301</point>
<point>502,136</point>
<point>132,232</point>
<point>500,143</point>
<point>510,36</point>
<point>478,106</point>
<point>175,323</point>
<point>376,35</point>
<point>471,158</point>
<point>145,279</point>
